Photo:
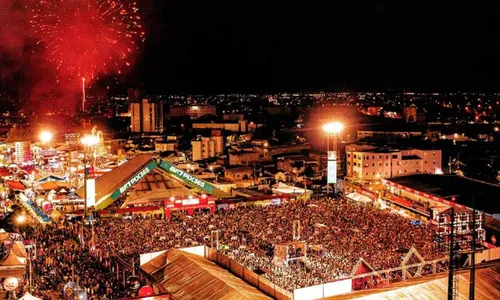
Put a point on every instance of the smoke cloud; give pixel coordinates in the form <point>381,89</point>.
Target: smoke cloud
<point>14,31</point>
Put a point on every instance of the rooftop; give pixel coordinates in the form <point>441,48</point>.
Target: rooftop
<point>189,276</point>
<point>447,186</point>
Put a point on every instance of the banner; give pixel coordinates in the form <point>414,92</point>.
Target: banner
<point>187,178</point>
<point>135,179</point>
<point>332,167</point>
<point>90,192</point>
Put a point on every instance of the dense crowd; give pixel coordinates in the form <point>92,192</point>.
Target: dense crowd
<point>60,259</point>
<point>344,232</point>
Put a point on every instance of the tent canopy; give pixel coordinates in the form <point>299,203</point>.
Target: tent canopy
<point>282,188</point>
<point>358,197</point>
<point>28,296</point>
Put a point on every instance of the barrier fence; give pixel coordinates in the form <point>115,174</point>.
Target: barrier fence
<point>248,275</point>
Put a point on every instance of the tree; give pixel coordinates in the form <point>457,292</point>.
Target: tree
<point>17,134</point>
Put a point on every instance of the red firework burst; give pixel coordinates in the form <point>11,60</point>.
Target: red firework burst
<point>86,38</point>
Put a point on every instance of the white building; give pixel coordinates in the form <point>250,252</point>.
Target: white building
<point>206,147</point>
<point>369,163</point>
<point>23,152</point>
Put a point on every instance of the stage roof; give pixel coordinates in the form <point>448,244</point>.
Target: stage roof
<point>189,276</point>
<point>447,186</point>
<point>435,287</point>
<point>111,181</point>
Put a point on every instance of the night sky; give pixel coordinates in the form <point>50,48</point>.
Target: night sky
<point>213,47</point>
<point>266,46</point>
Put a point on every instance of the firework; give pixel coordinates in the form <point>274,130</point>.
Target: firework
<point>85,38</point>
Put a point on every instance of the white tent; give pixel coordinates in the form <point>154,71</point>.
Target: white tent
<point>358,197</point>
<point>28,296</point>
<point>282,188</point>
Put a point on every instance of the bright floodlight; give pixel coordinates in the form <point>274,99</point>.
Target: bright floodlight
<point>21,219</point>
<point>90,140</point>
<point>333,127</point>
<point>45,136</point>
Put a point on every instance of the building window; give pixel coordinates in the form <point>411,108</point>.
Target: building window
<point>380,164</point>
<point>425,161</point>
<point>373,165</point>
<point>367,157</point>
<point>366,173</point>
<point>355,164</point>
<point>394,156</point>
<point>373,157</point>
<point>387,157</point>
<point>433,162</point>
<point>348,155</point>
<point>386,164</point>
<point>373,173</point>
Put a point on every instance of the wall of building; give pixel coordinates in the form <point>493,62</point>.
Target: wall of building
<point>375,165</point>
<point>243,158</point>
<point>238,174</point>
<point>194,112</point>
<point>162,147</point>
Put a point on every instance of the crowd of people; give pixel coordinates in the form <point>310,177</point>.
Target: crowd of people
<point>60,261</point>
<point>344,231</point>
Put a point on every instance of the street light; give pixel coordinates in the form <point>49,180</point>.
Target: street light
<point>332,129</point>
<point>45,136</point>
<point>87,141</point>
<point>21,219</point>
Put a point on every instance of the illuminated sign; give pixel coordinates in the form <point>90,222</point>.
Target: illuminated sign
<point>187,178</point>
<point>194,201</point>
<point>332,167</point>
<point>138,176</point>
<point>90,192</point>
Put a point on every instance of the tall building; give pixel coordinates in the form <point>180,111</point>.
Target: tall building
<point>206,147</point>
<point>23,152</point>
<point>134,96</point>
<point>368,163</point>
<point>146,116</point>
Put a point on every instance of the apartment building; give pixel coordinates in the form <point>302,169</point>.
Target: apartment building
<point>368,163</point>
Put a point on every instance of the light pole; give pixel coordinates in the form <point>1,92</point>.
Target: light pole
<point>87,141</point>
<point>45,137</point>
<point>332,130</point>
<point>211,168</point>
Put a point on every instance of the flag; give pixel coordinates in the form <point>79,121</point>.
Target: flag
<point>89,171</point>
